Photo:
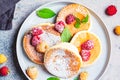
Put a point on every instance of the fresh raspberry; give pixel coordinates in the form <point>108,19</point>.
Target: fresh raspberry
<point>88,45</point>
<point>70,18</point>
<point>111,10</point>
<point>85,54</point>
<point>35,40</point>
<point>59,26</point>
<point>36,31</point>
<point>4,71</point>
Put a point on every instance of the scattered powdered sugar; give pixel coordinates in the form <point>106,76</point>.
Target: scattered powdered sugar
<point>59,65</point>
<point>50,39</point>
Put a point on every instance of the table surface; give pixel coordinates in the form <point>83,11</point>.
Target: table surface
<point>25,7</point>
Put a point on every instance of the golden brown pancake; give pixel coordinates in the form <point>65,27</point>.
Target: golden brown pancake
<point>63,60</point>
<point>47,36</point>
<point>83,36</point>
<point>78,11</point>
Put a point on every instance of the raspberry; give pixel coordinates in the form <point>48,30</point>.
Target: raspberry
<point>85,54</point>
<point>70,18</point>
<point>4,71</point>
<point>111,10</point>
<point>36,31</point>
<point>88,45</point>
<point>59,26</point>
<point>35,40</point>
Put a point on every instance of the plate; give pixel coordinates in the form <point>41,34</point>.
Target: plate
<point>98,27</point>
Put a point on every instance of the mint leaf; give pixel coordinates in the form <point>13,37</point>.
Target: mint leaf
<point>76,78</point>
<point>85,20</point>
<point>53,78</point>
<point>45,13</point>
<point>77,23</point>
<point>66,35</point>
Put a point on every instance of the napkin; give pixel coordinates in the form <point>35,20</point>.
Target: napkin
<point>7,8</point>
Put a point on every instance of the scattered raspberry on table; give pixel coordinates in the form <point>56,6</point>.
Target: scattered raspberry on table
<point>111,10</point>
<point>4,71</point>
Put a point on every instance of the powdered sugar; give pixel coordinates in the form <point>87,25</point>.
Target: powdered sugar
<point>50,39</point>
<point>58,64</point>
<point>63,60</point>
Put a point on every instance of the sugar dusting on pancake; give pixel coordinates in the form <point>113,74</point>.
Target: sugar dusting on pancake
<point>58,58</point>
<point>50,39</point>
<point>50,36</point>
<point>83,36</point>
<point>61,61</point>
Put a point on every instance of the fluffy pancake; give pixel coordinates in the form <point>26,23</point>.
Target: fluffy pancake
<point>50,36</point>
<point>83,36</point>
<point>63,60</point>
<point>78,11</point>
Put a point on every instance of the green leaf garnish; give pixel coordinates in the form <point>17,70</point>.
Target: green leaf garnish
<point>66,35</point>
<point>85,20</point>
<point>76,78</point>
<point>45,13</point>
<point>77,23</point>
<point>53,78</point>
